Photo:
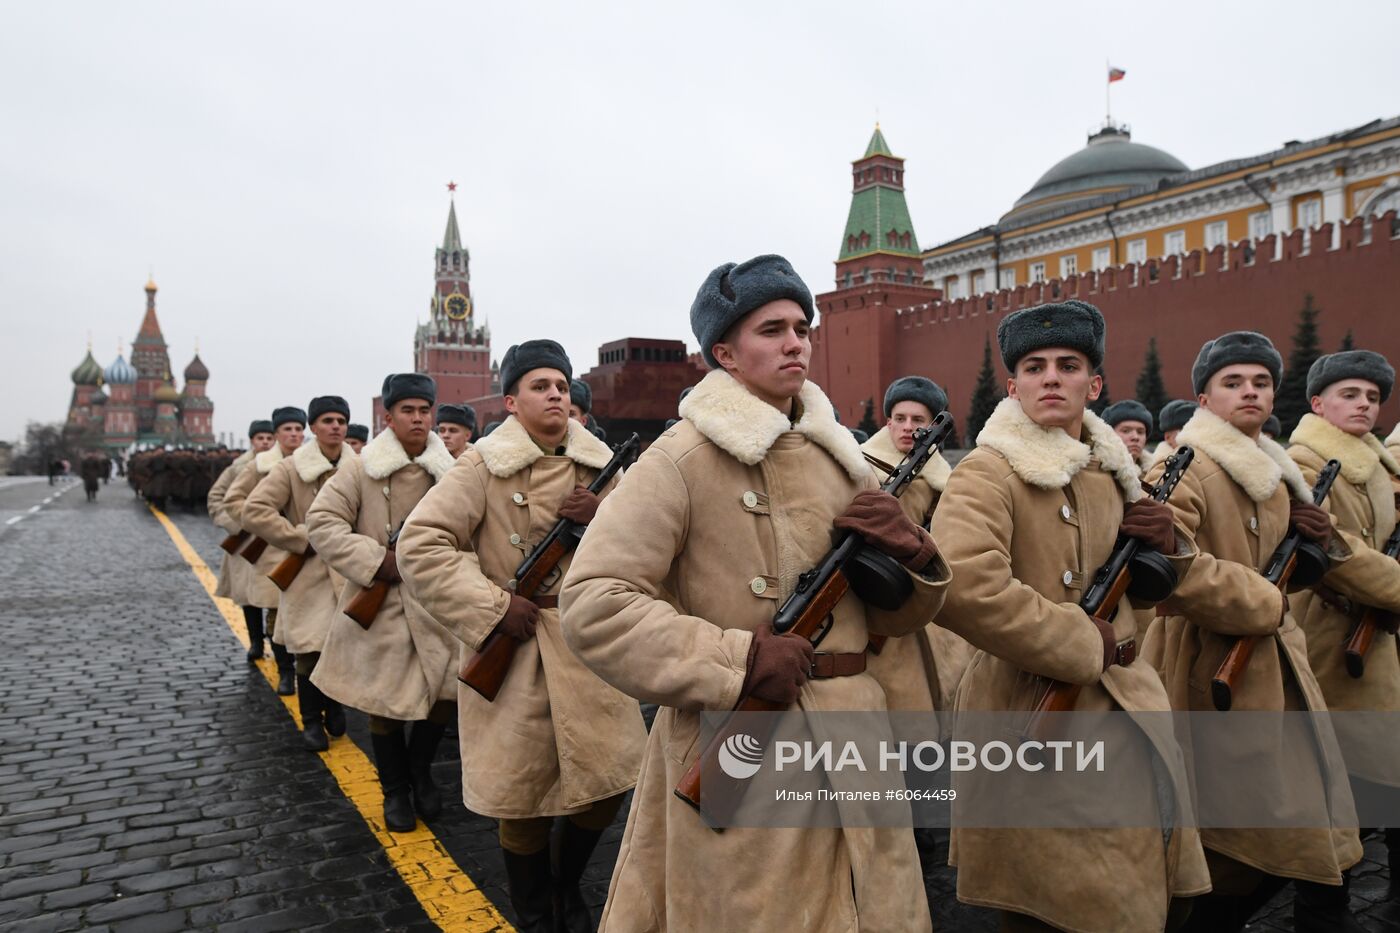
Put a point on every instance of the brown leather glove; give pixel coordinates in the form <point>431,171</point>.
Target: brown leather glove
<point>1110,641</point>
<point>1312,522</point>
<point>778,665</point>
<point>520,619</point>
<point>388,568</point>
<point>875,515</point>
<point>1150,522</point>
<point>579,506</point>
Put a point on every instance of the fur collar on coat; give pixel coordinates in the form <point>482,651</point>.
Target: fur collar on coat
<point>510,448</point>
<point>385,456</point>
<point>311,464</point>
<point>1257,466</point>
<point>1049,458</point>
<point>1358,455</point>
<point>1394,439</point>
<point>745,427</point>
<point>935,472</point>
<point>265,461</point>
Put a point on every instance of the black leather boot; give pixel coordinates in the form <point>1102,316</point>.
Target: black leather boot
<point>1324,908</point>
<point>310,699</point>
<point>422,749</point>
<point>531,890</point>
<point>335,716</point>
<point>286,670</point>
<point>576,845</point>
<point>391,759</point>
<point>253,618</point>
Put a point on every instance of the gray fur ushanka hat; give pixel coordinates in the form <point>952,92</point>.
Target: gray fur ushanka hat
<point>1351,364</point>
<point>533,354</point>
<point>1073,324</point>
<point>1175,414</point>
<point>1240,346</point>
<point>916,389</point>
<point>1130,409</point>
<point>731,291</point>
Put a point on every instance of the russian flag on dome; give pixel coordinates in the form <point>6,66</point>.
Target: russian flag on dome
<point>1115,74</point>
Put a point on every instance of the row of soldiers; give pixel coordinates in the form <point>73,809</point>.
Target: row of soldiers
<point>182,476</point>
<point>670,595</point>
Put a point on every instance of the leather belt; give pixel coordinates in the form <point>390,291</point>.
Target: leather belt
<point>1125,653</point>
<point>837,665</point>
<point>546,602</point>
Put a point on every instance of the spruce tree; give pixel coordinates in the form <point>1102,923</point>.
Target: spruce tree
<point>1151,390</point>
<point>1347,343</point>
<point>1291,402</point>
<point>986,395</point>
<point>867,419</point>
<point>1104,400</point>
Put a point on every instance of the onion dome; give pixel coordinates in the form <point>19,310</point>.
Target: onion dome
<point>1110,162</point>
<point>88,372</point>
<point>196,371</point>
<point>151,285</point>
<point>167,392</point>
<point>121,372</point>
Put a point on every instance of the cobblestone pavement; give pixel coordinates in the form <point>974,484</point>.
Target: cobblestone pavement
<point>151,780</point>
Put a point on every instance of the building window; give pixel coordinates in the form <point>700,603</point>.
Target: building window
<point>1037,272</point>
<point>1137,251</point>
<point>1216,234</point>
<point>979,282</point>
<point>1309,213</point>
<point>1008,278</point>
<point>1261,224</point>
<point>1101,258</point>
<point>1175,243</point>
<point>950,288</point>
<point>1069,265</point>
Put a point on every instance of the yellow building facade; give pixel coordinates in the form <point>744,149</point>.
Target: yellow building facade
<point>1117,202</point>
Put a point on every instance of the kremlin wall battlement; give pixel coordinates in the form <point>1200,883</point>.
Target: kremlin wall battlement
<point>869,335</point>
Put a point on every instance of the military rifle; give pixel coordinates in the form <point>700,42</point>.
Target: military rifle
<point>806,612</point>
<point>233,542</point>
<point>1301,562</point>
<point>285,572</point>
<point>1113,581</point>
<point>254,550</point>
<point>486,670</point>
<point>1364,631</point>
<point>364,606</point>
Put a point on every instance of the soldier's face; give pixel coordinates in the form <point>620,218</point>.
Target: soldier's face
<point>354,443</point>
<point>1351,405</point>
<point>454,436</point>
<point>541,402</point>
<point>1242,394</point>
<point>1134,434</point>
<point>1169,437</point>
<point>411,419</point>
<point>1053,386</point>
<point>289,436</point>
<point>769,350</point>
<point>261,441</point>
<point>905,419</point>
<point>577,414</point>
<point>329,431</point>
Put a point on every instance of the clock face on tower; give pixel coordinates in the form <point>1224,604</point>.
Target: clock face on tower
<point>458,306</point>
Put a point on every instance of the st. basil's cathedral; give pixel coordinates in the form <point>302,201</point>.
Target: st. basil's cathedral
<point>136,402</point>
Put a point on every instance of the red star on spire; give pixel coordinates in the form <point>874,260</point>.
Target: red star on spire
<point>451,186</point>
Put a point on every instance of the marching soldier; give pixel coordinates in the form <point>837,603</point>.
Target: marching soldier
<point>400,668</point>
<point>288,428</point>
<point>356,436</point>
<point>455,425</point>
<point>1238,500</point>
<point>1346,391</point>
<point>671,598</point>
<point>1026,520</point>
<point>232,569</point>
<point>1170,420</point>
<point>276,511</point>
<point>1392,442</point>
<point>1131,421</point>
<point>1272,428</point>
<point>580,401</point>
<point>556,741</point>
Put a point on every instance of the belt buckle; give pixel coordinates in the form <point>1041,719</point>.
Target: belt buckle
<point>1126,653</point>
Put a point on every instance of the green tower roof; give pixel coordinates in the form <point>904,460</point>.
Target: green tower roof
<point>877,211</point>
<point>878,146</point>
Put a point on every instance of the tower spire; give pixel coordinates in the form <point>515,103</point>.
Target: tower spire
<point>452,238</point>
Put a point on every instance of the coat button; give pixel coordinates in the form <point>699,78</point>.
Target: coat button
<point>518,499</point>
<point>1068,577</point>
<point>1064,512</point>
<point>386,492</point>
<point>388,528</point>
<point>750,499</point>
<point>515,539</point>
<point>759,586</point>
<point>1253,523</point>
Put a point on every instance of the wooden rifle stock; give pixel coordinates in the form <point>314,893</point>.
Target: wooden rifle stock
<point>1364,631</point>
<point>233,542</point>
<point>364,606</point>
<point>254,550</point>
<point>285,572</point>
<point>1278,572</point>
<point>486,670</point>
<point>1107,591</point>
<point>807,612</point>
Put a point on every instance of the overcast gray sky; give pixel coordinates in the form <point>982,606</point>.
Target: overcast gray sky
<point>282,166</point>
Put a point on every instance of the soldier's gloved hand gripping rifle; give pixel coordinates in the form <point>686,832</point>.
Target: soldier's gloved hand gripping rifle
<point>850,564</point>
<point>1364,631</point>
<point>486,670</point>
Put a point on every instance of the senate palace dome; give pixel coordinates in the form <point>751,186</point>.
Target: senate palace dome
<point>1110,162</point>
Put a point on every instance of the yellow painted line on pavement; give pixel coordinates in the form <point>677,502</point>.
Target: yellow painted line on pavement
<point>449,896</point>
